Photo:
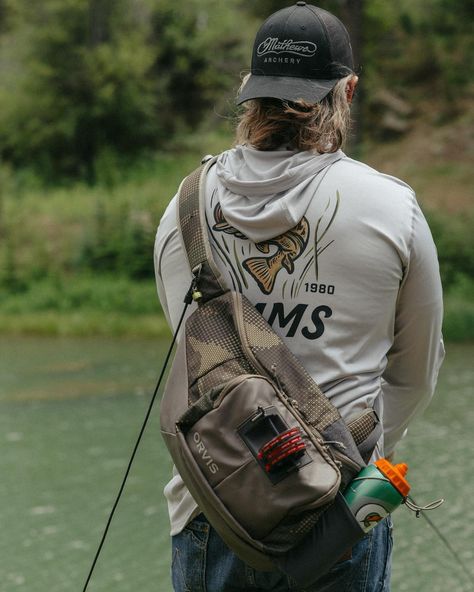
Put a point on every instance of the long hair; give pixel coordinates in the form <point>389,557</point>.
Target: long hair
<point>267,124</point>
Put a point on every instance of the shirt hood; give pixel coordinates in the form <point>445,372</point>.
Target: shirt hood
<point>265,193</point>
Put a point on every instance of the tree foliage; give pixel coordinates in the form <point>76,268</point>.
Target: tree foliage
<point>95,75</point>
<point>90,81</point>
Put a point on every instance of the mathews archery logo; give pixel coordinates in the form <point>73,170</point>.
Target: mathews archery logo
<point>204,454</point>
<point>305,49</point>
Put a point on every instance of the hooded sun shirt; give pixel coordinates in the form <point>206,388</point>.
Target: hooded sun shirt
<point>340,261</point>
<point>264,194</point>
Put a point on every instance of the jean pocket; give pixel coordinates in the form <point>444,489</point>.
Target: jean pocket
<point>189,557</point>
<point>198,530</point>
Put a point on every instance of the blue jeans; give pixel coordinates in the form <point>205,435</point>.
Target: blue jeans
<point>201,562</point>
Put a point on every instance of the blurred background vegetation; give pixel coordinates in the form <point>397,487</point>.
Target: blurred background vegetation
<point>106,104</point>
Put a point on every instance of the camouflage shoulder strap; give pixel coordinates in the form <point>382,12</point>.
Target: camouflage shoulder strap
<point>193,227</point>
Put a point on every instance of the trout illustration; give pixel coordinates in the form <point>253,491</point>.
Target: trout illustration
<point>222,225</point>
<point>289,247</point>
<point>264,270</point>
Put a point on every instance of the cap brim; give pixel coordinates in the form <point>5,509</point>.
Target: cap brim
<point>285,88</point>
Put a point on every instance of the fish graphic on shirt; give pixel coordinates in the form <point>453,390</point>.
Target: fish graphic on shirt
<point>290,246</point>
<point>264,270</point>
<point>222,225</point>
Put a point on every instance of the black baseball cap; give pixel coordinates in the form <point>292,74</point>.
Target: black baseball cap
<point>300,52</point>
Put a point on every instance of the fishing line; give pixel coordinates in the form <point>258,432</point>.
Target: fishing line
<point>187,301</point>
<point>444,540</point>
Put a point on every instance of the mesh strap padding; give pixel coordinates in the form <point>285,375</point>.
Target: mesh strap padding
<point>191,222</point>
<point>362,427</point>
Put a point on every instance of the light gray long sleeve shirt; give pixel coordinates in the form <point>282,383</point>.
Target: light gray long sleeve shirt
<point>340,261</point>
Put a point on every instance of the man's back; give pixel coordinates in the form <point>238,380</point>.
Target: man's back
<point>332,283</point>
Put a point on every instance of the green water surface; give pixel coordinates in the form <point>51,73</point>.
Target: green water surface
<point>70,411</point>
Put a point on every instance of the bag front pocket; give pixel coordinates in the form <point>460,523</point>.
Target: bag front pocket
<point>334,534</point>
<point>221,451</point>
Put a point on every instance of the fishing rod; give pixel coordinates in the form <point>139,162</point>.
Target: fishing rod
<point>187,301</point>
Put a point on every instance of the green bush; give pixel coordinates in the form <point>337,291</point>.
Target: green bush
<point>120,240</point>
<point>455,244</point>
<point>86,79</point>
<point>99,293</point>
<point>459,310</point>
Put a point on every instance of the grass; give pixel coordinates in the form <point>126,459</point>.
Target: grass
<point>117,306</point>
<point>51,229</point>
<point>83,305</point>
<point>459,311</point>
<point>84,323</point>
<point>91,292</point>
<point>77,260</point>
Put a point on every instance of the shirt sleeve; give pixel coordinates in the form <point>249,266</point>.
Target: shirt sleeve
<point>172,273</point>
<point>413,362</point>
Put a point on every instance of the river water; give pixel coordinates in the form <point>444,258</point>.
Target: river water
<point>70,410</point>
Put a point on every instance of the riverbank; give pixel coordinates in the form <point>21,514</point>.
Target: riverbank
<point>83,305</point>
<point>77,260</point>
<point>83,324</point>
<point>118,307</point>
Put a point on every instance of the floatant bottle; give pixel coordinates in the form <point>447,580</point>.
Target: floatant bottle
<point>377,491</point>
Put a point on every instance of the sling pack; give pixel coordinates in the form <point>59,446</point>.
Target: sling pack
<point>261,449</point>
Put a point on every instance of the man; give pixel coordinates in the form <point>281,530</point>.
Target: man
<point>336,256</point>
